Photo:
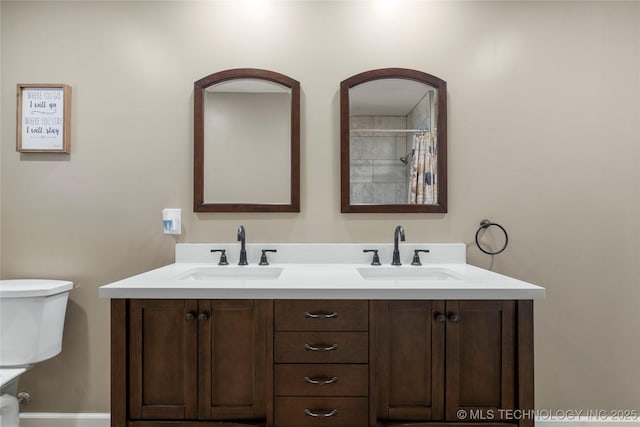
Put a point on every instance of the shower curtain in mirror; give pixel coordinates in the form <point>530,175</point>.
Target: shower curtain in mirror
<point>423,178</point>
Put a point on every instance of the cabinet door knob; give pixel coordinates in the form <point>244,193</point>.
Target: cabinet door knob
<point>317,347</point>
<point>441,318</point>
<point>321,414</point>
<point>320,381</point>
<point>454,317</point>
<point>203,316</point>
<point>309,315</point>
<point>189,316</point>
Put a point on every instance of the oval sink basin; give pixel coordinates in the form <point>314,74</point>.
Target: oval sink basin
<point>232,273</point>
<point>407,273</point>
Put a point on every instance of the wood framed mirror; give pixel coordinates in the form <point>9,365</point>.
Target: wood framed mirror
<point>246,142</point>
<point>393,142</point>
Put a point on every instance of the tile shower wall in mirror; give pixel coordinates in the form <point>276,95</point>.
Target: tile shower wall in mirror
<point>377,173</point>
<point>383,158</point>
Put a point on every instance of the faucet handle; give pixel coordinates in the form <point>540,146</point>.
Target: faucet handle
<point>223,256</point>
<point>416,256</point>
<point>263,257</point>
<point>376,259</point>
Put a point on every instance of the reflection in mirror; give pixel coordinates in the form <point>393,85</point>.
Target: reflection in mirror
<point>247,144</point>
<point>393,142</point>
<point>247,134</point>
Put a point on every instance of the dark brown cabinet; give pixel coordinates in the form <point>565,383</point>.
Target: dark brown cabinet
<point>297,363</point>
<point>321,363</point>
<point>449,361</point>
<point>408,345</point>
<point>480,359</point>
<point>163,359</point>
<point>199,360</point>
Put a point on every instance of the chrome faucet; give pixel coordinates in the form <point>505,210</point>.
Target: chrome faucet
<point>396,252</point>
<point>243,249</point>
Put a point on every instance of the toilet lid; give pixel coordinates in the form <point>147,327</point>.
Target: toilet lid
<point>21,288</point>
<point>7,374</point>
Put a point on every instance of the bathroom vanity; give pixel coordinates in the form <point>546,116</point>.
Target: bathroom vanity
<point>321,338</point>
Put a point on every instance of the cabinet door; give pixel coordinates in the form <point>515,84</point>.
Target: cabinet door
<point>480,358</point>
<point>234,381</point>
<point>408,349</point>
<point>163,359</point>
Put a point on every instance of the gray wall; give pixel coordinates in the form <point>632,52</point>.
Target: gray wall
<point>544,124</point>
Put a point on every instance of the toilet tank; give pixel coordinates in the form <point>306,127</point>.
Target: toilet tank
<point>31,319</point>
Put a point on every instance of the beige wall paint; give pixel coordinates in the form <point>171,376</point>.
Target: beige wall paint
<point>544,113</point>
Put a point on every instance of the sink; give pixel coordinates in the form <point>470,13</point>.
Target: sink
<point>407,273</point>
<point>232,273</point>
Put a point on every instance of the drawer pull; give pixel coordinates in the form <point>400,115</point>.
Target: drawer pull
<point>323,414</point>
<point>321,381</point>
<point>316,347</point>
<point>332,315</point>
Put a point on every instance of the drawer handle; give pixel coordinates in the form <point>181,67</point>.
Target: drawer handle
<point>324,414</point>
<point>320,315</point>
<point>321,381</point>
<point>316,347</point>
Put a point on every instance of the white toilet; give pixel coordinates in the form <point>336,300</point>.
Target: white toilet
<point>31,322</point>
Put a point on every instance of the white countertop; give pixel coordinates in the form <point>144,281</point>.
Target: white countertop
<point>312,272</point>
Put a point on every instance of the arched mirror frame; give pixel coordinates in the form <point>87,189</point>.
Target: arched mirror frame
<point>345,134</point>
<point>200,86</point>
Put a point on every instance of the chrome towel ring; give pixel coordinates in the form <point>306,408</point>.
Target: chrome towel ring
<point>484,224</point>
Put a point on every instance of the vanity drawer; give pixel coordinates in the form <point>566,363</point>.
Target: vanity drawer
<point>321,380</point>
<point>321,347</point>
<point>328,411</point>
<point>321,315</point>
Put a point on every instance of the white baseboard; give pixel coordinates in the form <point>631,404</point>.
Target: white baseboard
<point>49,419</point>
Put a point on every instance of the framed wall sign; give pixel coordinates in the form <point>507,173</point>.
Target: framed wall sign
<point>44,118</point>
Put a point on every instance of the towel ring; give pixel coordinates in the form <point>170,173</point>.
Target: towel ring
<point>484,224</point>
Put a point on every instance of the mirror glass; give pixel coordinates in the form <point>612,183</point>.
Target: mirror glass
<point>247,134</point>
<point>393,142</point>
<point>247,143</point>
